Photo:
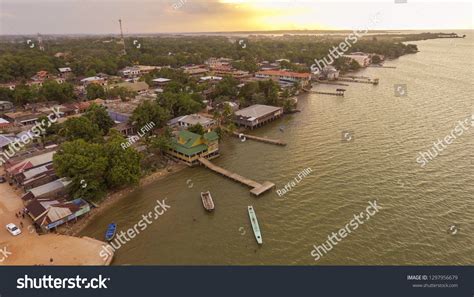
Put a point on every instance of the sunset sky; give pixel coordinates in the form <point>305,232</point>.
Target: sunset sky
<point>157,16</point>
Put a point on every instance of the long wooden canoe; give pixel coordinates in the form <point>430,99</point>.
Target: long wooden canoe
<point>255,226</point>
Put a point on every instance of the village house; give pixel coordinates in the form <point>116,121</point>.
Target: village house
<point>94,80</point>
<point>161,81</point>
<point>140,87</point>
<point>184,122</point>
<point>65,72</point>
<point>188,147</point>
<point>56,188</point>
<point>195,70</point>
<point>361,58</point>
<point>285,76</point>
<point>51,213</point>
<point>257,115</point>
<point>23,118</point>
<point>19,165</point>
<point>5,106</point>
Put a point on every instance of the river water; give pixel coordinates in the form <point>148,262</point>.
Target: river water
<point>427,214</point>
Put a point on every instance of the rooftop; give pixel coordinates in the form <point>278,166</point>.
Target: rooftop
<point>284,73</point>
<point>256,111</point>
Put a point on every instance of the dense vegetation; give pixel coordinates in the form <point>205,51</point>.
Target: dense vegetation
<point>90,56</point>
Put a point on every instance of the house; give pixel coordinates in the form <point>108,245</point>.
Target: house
<point>328,72</point>
<point>41,76</point>
<point>125,129</point>
<point>50,213</point>
<point>257,115</point>
<point>161,81</point>
<point>195,70</point>
<point>23,118</point>
<point>5,105</point>
<point>65,72</point>
<point>188,147</point>
<point>36,177</point>
<point>140,87</point>
<point>285,76</point>
<point>14,167</point>
<point>187,121</point>
<point>5,141</point>
<point>361,58</point>
<point>5,124</point>
<point>211,78</point>
<point>94,80</point>
<point>56,188</point>
<point>130,72</point>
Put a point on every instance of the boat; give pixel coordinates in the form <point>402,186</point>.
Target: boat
<point>255,226</point>
<point>110,233</point>
<point>207,201</point>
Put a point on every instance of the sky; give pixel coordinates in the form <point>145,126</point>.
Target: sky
<point>175,16</point>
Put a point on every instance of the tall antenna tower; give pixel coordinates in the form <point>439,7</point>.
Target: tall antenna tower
<point>40,43</point>
<point>122,40</point>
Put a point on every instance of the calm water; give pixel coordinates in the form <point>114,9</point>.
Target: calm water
<point>419,204</point>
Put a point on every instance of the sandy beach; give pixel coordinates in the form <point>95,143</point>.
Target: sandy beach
<point>63,247</point>
<point>29,248</point>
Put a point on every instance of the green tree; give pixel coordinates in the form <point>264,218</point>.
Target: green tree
<point>123,164</point>
<point>81,128</point>
<point>54,91</point>
<point>148,112</point>
<point>97,114</point>
<point>198,129</point>
<point>95,91</point>
<point>85,164</point>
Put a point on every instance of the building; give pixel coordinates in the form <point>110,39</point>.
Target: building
<point>5,105</point>
<point>50,213</point>
<point>211,78</point>
<point>56,188</point>
<point>5,124</point>
<point>161,81</point>
<point>328,72</point>
<point>285,76</point>
<point>140,87</point>
<point>94,80</point>
<point>257,115</point>
<point>361,58</point>
<point>187,121</point>
<point>65,72</point>
<point>23,118</point>
<point>130,72</point>
<point>14,167</point>
<point>188,147</point>
<point>195,70</point>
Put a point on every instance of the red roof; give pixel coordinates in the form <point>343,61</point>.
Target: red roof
<point>285,73</point>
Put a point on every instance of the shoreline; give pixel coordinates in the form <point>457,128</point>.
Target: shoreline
<point>113,197</point>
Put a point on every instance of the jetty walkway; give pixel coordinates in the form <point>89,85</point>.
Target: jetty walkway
<point>257,188</point>
<point>261,139</point>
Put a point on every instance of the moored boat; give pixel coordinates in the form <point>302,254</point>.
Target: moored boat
<point>207,201</point>
<point>255,226</point>
<point>110,233</point>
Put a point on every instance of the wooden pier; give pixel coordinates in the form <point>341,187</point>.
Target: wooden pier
<point>257,188</point>
<point>337,93</point>
<point>362,80</point>
<point>261,139</point>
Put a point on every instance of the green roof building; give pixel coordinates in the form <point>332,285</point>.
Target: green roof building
<point>188,147</point>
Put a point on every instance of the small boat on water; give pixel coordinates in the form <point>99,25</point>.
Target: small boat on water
<point>207,201</point>
<point>255,226</point>
<point>110,233</point>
